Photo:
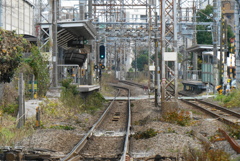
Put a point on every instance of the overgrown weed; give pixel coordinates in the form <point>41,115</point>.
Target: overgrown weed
<point>9,134</point>
<point>229,100</point>
<point>175,117</point>
<point>206,154</point>
<point>149,133</point>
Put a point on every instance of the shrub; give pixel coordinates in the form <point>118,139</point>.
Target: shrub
<point>68,87</point>
<point>229,100</point>
<point>177,118</point>
<point>62,127</point>
<point>93,102</point>
<point>10,109</point>
<point>145,134</point>
<point>207,154</point>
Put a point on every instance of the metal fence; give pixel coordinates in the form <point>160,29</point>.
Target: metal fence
<point>70,71</point>
<point>194,75</point>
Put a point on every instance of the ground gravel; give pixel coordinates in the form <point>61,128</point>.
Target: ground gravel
<point>171,140</point>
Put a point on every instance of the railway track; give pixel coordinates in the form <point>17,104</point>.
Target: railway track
<point>223,114</point>
<point>133,84</point>
<point>108,137</point>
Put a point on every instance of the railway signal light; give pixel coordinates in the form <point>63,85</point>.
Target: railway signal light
<point>102,52</point>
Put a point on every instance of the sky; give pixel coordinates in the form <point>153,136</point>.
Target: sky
<point>71,2</point>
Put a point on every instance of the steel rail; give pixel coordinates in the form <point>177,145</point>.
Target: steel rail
<point>226,121</point>
<point>231,141</point>
<point>132,83</point>
<point>221,108</point>
<point>126,143</point>
<point>80,145</point>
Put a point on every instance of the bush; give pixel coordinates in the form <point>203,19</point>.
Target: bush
<point>177,118</point>
<point>94,102</point>
<point>62,127</point>
<point>68,87</point>
<point>229,100</point>
<point>207,154</point>
<point>145,134</point>
<point>9,101</point>
<point>10,109</point>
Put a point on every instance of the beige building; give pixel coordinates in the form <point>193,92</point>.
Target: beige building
<point>17,15</point>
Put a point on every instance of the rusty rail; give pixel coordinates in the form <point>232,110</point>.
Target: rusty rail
<point>226,121</point>
<point>231,141</point>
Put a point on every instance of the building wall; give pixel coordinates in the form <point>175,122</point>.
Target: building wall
<point>17,15</point>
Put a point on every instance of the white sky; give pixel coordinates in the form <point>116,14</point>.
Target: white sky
<point>71,2</point>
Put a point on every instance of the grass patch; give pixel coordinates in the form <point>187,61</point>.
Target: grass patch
<point>229,100</point>
<point>141,122</point>
<point>207,154</point>
<point>94,102</point>
<point>9,134</point>
<point>62,127</point>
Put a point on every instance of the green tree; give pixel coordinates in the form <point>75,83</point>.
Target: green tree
<point>40,69</point>
<point>204,15</point>
<point>204,37</point>
<point>142,60</point>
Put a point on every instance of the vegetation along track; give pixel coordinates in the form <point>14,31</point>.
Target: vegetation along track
<point>223,114</point>
<point>108,137</point>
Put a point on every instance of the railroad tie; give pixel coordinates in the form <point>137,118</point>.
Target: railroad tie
<point>116,116</point>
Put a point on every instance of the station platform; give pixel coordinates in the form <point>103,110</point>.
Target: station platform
<point>152,97</point>
<point>197,97</point>
<point>87,88</point>
<point>131,98</point>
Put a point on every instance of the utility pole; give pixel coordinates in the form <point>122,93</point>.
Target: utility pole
<point>115,53</point>
<point>135,60</point>
<point>215,43</point>
<point>55,46</point>
<point>163,30</point>
<point>168,35</point>
<point>149,48</point>
<point>237,53</point>
<point>90,66</point>
<point>21,113</point>
<point>156,62</point>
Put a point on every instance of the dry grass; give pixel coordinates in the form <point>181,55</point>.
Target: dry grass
<point>9,134</point>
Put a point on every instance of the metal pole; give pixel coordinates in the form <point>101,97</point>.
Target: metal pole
<point>115,53</point>
<point>215,37</point>
<point>55,47</point>
<point>156,63</point>
<point>97,61</point>
<point>163,49</point>
<point>33,79</point>
<point>237,38</point>
<point>175,48</point>
<point>149,49</point>
<point>221,53</point>
<point>90,9</point>
<point>135,60</point>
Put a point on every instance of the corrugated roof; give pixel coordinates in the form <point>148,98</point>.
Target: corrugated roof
<point>72,31</point>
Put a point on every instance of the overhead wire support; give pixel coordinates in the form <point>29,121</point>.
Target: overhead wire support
<point>169,95</point>
<point>55,46</point>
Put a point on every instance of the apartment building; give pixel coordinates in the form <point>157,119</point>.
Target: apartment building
<point>17,15</point>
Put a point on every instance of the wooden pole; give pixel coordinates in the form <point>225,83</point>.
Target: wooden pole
<point>21,110</point>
